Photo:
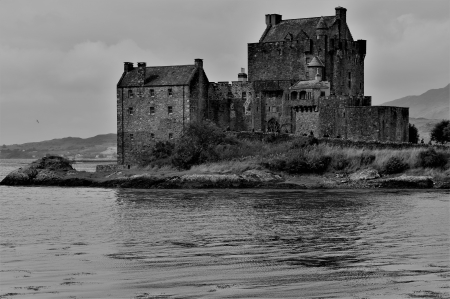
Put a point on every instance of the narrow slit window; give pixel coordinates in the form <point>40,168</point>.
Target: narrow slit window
<point>130,93</point>
<point>130,110</point>
<point>131,137</point>
<point>152,92</point>
<point>244,95</point>
<point>152,135</point>
<point>170,135</point>
<point>169,109</point>
<point>169,92</point>
<point>152,110</point>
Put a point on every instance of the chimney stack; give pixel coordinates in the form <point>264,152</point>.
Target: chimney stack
<point>242,76</point>
<point>142,64</point>
<point>273,19</point>
<point>199,62</point>
<point>128,66</point>
<point>341,14</point>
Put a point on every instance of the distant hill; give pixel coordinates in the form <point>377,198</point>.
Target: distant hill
<point>100,146</point>
<point>433,104</point>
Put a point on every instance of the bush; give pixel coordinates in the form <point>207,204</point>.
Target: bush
<point>158,155</point>
<point>431,159</point>
<point>367,159</point>
<point>298,164</point>
<point>441,132</point>
<point>340,162</point>
<point>197,145</point>
<point>413,134</point>
<point>394,165</point>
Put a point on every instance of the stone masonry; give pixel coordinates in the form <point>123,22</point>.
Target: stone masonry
<point>305,76</point>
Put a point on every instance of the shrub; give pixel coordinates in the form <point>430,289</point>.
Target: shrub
<point>340,162</point>
<point>441,132</point>
<point>366,159</point>
<point>298,164</point>
<point>197,145</point>
<point>430,158</point>
<point>394,165</point>
<point>413,134</point>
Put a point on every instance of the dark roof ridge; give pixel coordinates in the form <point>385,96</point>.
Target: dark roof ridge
<point>171,65</point>
<point>307,18</point>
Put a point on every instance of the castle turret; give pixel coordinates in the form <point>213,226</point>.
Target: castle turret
<point>316,63</point>
<point>321,28</point>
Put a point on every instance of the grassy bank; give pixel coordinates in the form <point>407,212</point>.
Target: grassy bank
<point>208,150</point>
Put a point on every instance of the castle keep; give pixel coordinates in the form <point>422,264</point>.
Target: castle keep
<point>305,76</point>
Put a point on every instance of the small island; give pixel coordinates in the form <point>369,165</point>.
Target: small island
<point>206,157</point>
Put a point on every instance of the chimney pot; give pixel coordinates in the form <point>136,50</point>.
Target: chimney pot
<point>128,66</point>
<point>199,62</point>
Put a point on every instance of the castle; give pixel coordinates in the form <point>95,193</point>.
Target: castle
<point>305,76</point>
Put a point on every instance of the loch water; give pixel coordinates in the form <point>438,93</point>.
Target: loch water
<point>128,243</point>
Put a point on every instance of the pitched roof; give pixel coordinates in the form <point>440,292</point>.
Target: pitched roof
<point>295,27</point>
<point>311,84</point>
<point>161,75</point>
<point>315,62</point>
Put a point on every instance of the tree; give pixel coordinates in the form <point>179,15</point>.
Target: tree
<point>413,134</point>
<point>441,132</point>
<point>197,144</point>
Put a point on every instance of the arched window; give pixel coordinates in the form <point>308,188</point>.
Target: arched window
<point>294,95</point>
<point>302,95</point>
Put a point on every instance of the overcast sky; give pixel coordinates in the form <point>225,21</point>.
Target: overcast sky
<point>60,60</point>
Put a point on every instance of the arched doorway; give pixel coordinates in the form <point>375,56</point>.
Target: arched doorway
<point>273,126</point>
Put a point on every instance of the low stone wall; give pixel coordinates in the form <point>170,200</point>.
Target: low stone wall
<point>109,167</point>
<point>376,144</point>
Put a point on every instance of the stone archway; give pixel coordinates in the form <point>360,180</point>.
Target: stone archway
<point>273,126</point>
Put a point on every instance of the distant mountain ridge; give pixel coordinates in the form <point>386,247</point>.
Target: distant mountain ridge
<point>432,104</point>
<point>100,146</point>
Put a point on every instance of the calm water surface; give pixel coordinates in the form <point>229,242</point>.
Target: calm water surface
<point>112,243</point>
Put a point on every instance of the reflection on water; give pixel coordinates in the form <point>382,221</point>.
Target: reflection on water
<point>216,243</point>
<point>97,243</point>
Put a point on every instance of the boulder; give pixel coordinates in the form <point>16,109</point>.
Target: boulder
<point>45,169</point>
<point>365,174</point>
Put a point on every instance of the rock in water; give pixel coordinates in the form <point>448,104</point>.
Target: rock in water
<point>44,169</point>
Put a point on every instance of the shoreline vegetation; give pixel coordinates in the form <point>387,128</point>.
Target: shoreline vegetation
<point>206,157</point>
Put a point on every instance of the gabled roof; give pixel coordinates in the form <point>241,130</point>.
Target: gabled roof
<point>295,26</point>
<point>161,75</point>
<point>311,84</point>
<point>315,62</point>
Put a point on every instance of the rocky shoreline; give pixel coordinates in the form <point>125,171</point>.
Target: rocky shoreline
<point>57,171</point>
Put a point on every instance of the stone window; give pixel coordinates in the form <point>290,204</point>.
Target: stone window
<point>244,95</point>
<point>152,135</point>
<point>152,92</point>
<point>302,95</point>
<point>322,93</point>
<point>169,109</point>
<point>294,95</point>
<point>170,135</point>
<point>131,137</point>
<point>130,93</point>
<point>130,110</point>
<point>152,110</point>
<point>169,92</point>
